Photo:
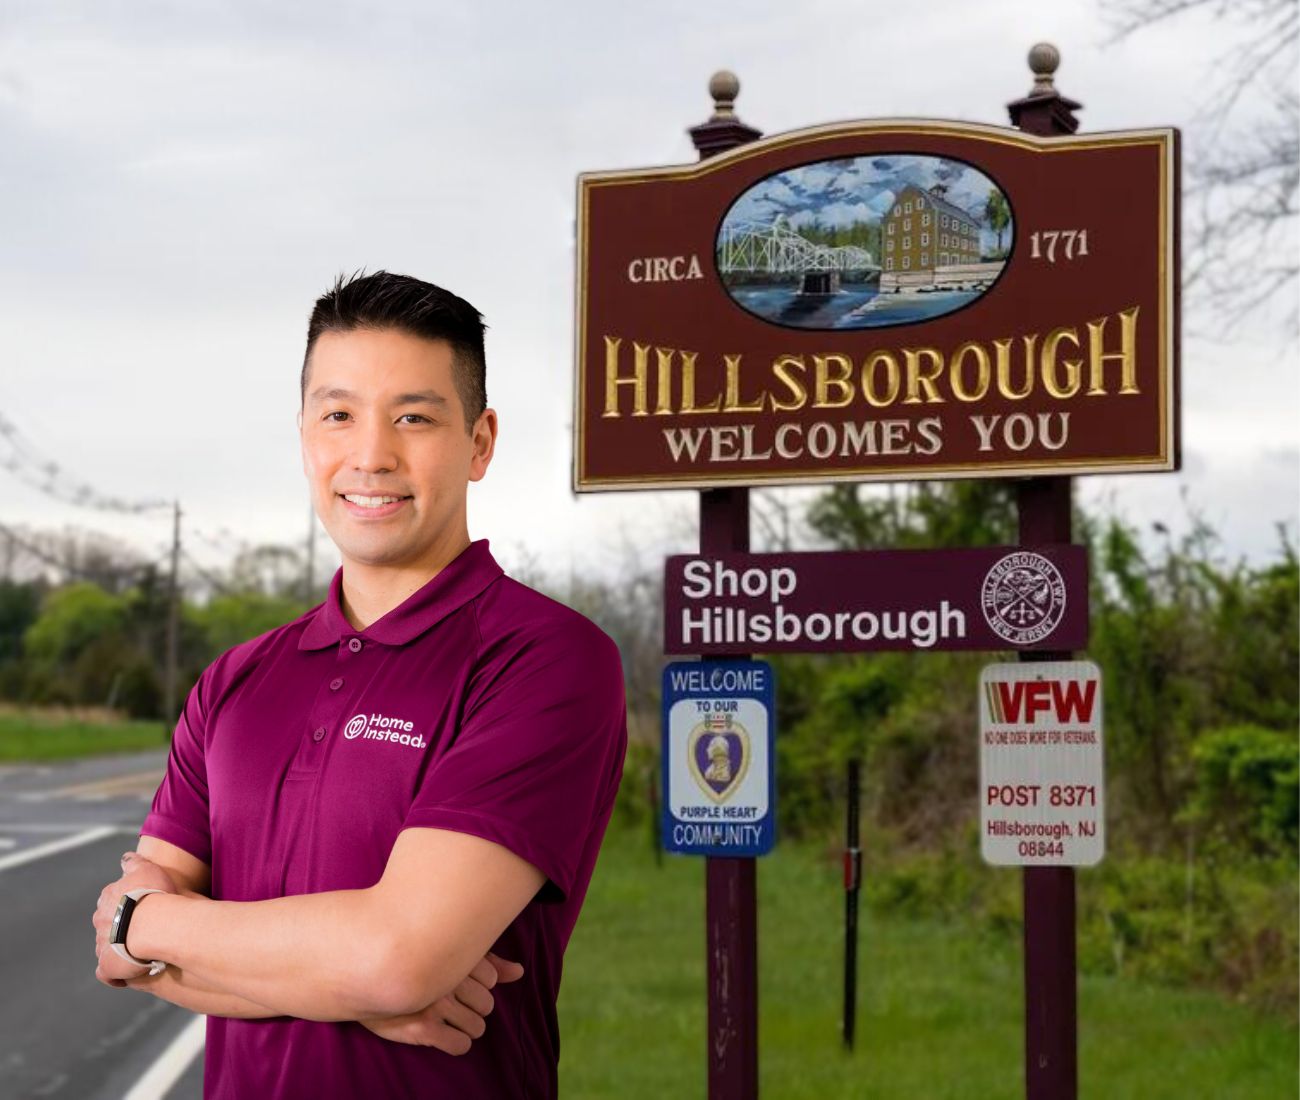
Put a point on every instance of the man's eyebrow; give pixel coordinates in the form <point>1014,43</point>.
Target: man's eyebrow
<point>419,397</point>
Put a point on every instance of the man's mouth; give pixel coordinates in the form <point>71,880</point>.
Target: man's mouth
<point>372,501</point>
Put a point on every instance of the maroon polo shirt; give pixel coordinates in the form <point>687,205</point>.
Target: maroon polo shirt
<point>477,705</point>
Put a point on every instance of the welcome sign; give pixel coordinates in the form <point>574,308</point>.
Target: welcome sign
<point>880,300</point>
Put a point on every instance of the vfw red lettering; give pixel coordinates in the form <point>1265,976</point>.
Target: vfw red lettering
<point>1025,700</point>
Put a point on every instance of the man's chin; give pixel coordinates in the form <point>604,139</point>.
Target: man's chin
<point>373,551</point>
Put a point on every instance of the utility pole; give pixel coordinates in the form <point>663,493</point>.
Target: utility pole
<point>173,619</point>
<point>311,550</point>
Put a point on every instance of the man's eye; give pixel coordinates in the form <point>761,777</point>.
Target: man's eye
<point>331,415</point>
<point>417,416</point>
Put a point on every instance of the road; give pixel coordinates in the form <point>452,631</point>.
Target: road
<point>63,1035</point>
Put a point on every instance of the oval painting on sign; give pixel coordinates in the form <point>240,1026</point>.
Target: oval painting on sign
<point>865,242</point>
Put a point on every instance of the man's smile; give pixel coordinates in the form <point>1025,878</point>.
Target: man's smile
<point>373,506</point>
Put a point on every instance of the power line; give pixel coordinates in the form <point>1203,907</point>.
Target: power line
<point>46,476</point>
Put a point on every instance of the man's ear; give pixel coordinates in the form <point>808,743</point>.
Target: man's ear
<point>484,439</point>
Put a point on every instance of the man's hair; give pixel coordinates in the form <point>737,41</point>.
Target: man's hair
<point>387,301</point>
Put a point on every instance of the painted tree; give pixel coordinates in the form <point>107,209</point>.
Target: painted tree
<point>997,214</point>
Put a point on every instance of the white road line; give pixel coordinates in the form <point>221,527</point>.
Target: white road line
<point>44,826</point>
<point>174,1061</point>
<point>54,847</point>
<point>103,788</point>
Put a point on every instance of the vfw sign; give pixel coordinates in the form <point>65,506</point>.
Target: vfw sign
<point>1042,784</point>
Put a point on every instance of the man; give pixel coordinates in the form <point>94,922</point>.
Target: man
<point>367,811</point>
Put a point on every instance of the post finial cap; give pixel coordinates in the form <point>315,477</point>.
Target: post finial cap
<point>724,86</point>
<point>1044,59</point>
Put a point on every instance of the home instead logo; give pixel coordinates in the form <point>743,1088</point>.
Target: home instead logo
<point>379,727</point>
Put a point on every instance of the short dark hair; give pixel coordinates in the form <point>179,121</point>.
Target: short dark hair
<point>387,301</point>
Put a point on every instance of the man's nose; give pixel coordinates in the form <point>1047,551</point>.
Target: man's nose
<point>376,447</point>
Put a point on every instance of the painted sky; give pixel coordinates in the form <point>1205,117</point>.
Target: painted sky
<point>841,193</point>
<point>182,180</point>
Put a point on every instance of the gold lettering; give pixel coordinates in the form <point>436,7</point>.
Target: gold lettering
<point>1003,350</point>
<point>664,389</point>
<point>982,378</point>
<point>732,404</point>
<point>1127,354</point>
<point>637,380</point>
<point>782,368</point>
<point>824,380</point>
<point>688,388</point>
<point>1051,379</point>
<point>893,380</point>
<point>919,377</point>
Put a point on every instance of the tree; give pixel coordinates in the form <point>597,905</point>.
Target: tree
<point>997,213</point>
<point>1244,180</point>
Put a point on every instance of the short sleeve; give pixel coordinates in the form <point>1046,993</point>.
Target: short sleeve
<point>537,759</point>
<point>179,813</point>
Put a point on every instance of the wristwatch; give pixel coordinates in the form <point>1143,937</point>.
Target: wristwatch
<point>122,922</point>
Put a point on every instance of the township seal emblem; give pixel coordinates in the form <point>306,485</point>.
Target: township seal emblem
<point>718,754</point>
<point>1023,598</point>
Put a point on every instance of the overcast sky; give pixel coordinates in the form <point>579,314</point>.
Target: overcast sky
<point>180,182</point>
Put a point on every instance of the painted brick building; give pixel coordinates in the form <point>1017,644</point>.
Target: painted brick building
<point>923,230</point>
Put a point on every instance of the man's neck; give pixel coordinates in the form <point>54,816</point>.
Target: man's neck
<point>371,591</point>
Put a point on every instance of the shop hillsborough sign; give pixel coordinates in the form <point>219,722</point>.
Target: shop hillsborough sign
<point>880,300</point>
<point>1001,597</point>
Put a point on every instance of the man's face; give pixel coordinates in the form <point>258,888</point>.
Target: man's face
<point>382,418</point>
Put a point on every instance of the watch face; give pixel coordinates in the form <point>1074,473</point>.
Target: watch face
<point>117,933</point>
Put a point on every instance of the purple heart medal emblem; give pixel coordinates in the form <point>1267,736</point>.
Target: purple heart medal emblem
<point>719,756</point>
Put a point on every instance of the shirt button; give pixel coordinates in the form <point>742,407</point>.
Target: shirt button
<point>319,733</point>
<point>336,683</point>
<point>354,644</point>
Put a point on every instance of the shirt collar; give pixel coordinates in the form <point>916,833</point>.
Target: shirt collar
<point>463,578</point>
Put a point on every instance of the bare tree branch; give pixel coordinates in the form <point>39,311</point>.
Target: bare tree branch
<point>1241,243</point>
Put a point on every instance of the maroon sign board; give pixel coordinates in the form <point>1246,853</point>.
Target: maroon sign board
<point>1008,597</point>
<point>894,299</point>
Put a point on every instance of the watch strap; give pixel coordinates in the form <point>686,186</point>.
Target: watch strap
<point>156,966</point>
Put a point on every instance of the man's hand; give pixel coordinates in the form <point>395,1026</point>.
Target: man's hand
<point>137,872</point>
<point>452,1023</point>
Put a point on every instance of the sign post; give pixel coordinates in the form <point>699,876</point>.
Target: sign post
<point>731,882</point>
<point>1045,508</point>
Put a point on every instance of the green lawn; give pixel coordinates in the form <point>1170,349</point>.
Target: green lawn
<point>939,1008</point>
<point>30,735</point>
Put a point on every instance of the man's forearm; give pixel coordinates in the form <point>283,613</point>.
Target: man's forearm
<point>314,956</point>
<point>181,988</point>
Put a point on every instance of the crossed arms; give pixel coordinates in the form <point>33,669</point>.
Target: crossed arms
<point>380,956</point>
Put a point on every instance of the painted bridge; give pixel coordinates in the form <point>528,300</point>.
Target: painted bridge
<point>774,248</point>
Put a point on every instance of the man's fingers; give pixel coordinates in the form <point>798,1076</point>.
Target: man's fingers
<point>474,996</point>
<point>447,1039</point>
<point>462,1018</point>
<point>484,973</point>
<point>507,971</point>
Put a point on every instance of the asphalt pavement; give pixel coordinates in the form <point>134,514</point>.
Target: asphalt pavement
<point>64,1035</point>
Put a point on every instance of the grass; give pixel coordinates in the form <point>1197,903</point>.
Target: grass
<point>940,1009</point>
<point>30,735</point>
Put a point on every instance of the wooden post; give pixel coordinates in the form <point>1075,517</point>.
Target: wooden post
<point>731,906</point>
<point>852,887</point>
<point>1044,509</point>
